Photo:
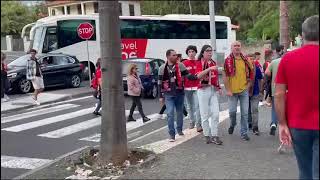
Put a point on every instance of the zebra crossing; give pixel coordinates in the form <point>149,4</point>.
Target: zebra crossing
<point>72,119</point>
<point>26,121</point>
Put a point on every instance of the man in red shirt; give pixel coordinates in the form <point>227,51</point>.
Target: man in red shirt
<point>190,89</point>
<point>297,100</point>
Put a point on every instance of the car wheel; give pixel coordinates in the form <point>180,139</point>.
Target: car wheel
<point>154,92</point>
<point>75,81</point>
<point>24,85</point>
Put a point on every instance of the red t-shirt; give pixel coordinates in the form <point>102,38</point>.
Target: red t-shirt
<point>299,70</point>
<point>191,66</point>
<point>98,73</point>
<point>214,74</point>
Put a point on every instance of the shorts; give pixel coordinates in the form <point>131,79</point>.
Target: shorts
<point>37,83</point>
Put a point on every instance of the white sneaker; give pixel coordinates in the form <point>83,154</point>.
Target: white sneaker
<point>164,116</point>
<point>37,102</point>
<point>6,97</point>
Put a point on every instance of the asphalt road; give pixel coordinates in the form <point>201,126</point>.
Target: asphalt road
<point>36,136</point>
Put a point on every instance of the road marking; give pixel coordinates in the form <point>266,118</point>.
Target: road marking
<point>47,121</point>
<point>72,129</point>
<point>61,102</point>
<point>129,126</point>
<point>37,113</point>
<point>148,134</point>
<point>22,162</point>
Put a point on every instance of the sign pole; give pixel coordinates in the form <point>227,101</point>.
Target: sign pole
<point>88,62</point>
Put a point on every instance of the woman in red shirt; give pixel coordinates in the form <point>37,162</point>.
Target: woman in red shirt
<point>207,95</point>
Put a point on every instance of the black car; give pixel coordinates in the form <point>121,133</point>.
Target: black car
<point>57,69</point>
<point>148,72</point>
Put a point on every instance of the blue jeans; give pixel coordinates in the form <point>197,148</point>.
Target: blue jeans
<point>192,105</point>
<point>243,97</point>
<point>209,110</point>
<point>174,102</point>
<point>274,118</point>
<point>306,148</point>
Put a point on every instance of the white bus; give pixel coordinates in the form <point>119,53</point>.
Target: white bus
<point>141,36</point>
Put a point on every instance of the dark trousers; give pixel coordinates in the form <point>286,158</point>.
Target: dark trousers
<point>136,101</point>
<point>4,84</point>
<point>185,113</point>
<point>306,148</point>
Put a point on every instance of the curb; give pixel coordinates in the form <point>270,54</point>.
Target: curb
<point>48,102</point>
<point>23,176</point>
<point>147,162</point>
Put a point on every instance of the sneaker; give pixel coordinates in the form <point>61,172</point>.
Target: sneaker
<point>273,130</point>
<point>181,133</point>
<point>131,119</point>
<point>216,140</point>
<point>191,125</point>
<point>256,131</point>
<point>245,137</point>
<point>208,140</point>
<point>146,119</point>
<point>37,102</point>
<point>164,116</point>
<point>172,139</point>
<point>199,129</point>
<point>230,130</point>
<point>96,113</point>
<point>6,97</point>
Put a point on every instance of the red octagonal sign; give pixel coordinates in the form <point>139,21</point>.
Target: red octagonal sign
<point>85,30</point>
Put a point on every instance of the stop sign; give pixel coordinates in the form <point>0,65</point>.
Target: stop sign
<point>85,30</point>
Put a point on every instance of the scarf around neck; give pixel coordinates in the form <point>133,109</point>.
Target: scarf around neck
<point>230,66</point>
<point>177,75</point>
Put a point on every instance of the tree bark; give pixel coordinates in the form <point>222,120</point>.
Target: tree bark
<point>113,143</point>
<point>284,24</point>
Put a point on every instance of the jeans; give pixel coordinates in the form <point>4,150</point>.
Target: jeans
<point>209,110</point>
<point>192,105</point>
<point>306,148</point>
<point>254,109</point>
<point>98,105</point>
<point>174,102</point>
<point>243,97</point>
<point>136,102</point>
<point>274,118</point>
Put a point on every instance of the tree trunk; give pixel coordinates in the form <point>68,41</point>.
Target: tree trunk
<point>113,143</point>
<point>284,24</point>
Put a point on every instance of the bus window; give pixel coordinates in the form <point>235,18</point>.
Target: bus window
<point>67,32</point>
<point>50,41</point>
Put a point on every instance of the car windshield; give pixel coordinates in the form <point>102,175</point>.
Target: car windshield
<point>125,66</point>
<point>21,61</point>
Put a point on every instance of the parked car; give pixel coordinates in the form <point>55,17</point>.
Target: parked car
<point>148,72</point>
<point>57,69</point>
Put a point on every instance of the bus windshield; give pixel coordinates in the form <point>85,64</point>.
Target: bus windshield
<point>37,37</point>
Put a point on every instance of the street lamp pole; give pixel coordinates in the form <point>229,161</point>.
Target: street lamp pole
<point>212,28</point>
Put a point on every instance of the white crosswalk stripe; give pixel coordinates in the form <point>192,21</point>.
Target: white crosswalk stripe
<point>37,113</point>
<point>130,126</point>
<point>22,162</point>
<point>72,129</point>
<point>34,124</point>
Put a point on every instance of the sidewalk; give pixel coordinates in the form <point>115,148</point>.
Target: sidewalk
<point>26,101</point>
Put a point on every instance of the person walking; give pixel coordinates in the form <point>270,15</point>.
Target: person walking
<point>97,84</point>
<point>271,72</point>
<point>267,79</point>
<point>297,100</point>
<point>207,72</point>
<point>255,92</point>
<point>134,90</point>
<point>236,75</point>
<point>171,88</point>
<point>35,75</point>
<point>4,79</point>
<point>190,89</point>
